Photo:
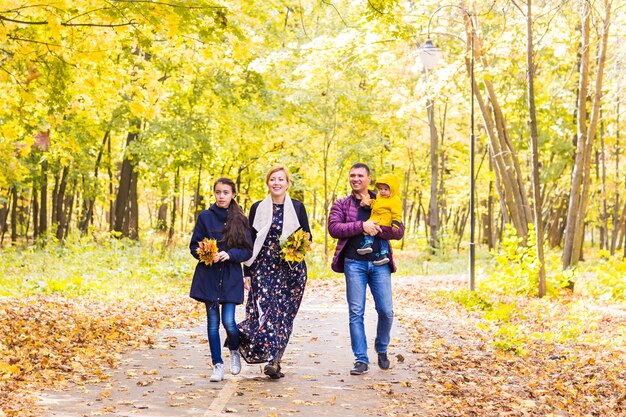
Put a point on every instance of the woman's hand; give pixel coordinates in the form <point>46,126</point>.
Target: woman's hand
<point>221,257</point>
<point>246,283</point>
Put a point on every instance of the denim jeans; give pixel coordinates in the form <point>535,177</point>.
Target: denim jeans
<point>213,328</point>
<point>360,274</point>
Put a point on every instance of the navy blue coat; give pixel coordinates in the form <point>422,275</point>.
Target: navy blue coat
<point>303,219</point>
<point>222,282</point>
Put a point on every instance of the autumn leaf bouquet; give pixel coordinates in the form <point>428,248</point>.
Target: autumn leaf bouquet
<point>296,246</point>
<point>207,249</point>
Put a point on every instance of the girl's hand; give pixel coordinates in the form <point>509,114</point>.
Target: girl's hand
<point>246,283</point>
<point>221,257</point>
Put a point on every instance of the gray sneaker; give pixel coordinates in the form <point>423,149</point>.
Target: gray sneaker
<point>235,362</point>
<point>381,260</point>
<point>365,249</point>
<point>383,360</point>
<point>360,368</point>
<point>218,372</point>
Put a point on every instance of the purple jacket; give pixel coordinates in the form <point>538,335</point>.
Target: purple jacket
<point>343,224</point>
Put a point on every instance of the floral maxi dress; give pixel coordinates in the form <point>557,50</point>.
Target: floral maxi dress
<point>273,301</point>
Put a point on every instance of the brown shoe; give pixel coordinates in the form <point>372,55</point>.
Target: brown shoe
<point>272,370</point>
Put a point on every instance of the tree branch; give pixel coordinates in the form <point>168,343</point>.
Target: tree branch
<point>101,25</point>
<point>337,11</point>
<point>15,38</point>
<point>108,25</point>
<point>89,12</point>
<point>22,21</point>
<point>302,22</point>
<point>10,74</point>
<point>169,4</point>
<point>374,8</point>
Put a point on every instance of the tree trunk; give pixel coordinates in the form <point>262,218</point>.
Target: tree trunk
<point>433,211</point>
<point>59,204</point>
<point>441,189</point>
<point>463,216</point>
<point>35,211</point>
<point>126,198</point>
<point>198,199</point>
<point>14,215</point>
<point>170,234</point>
<point>329,137</point>
<point>617,204</point>
<point>69,204</point>
<point>162,218</point>
<point>621,226</point>
<point>133,221</point>
<point>90,200</point>
<point>182,203</point>
<point>4,216</point>
<point>405,195</point>
<point>574,236</point>
<point>489,220</point>
<point>111,216</point>
<point>604,236</point>
<point>43,209</point>
<point>534,136</point>
<point>505,158</point>
<point>556,222</point>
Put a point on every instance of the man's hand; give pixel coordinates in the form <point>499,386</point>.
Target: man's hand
<point>246,283</point>
<point>371,228</point>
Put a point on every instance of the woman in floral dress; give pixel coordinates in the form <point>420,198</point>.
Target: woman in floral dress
<point>275,286</point>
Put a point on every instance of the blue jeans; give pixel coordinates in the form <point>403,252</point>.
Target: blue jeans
<point>213,328</point>
<point>360,274</point>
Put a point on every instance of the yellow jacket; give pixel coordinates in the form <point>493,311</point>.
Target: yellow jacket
<point>387,210</point>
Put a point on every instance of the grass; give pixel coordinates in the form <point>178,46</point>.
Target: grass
<point>102,269</point>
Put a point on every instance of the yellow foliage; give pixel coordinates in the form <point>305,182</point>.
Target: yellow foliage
<point>207,249</point>
<point>296,246</point>
<point>137,108</point>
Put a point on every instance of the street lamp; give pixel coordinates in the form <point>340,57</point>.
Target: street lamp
<point>430,55</point>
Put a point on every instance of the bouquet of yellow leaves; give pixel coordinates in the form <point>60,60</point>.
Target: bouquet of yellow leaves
<point>296,246</point>
<point>207,249</point>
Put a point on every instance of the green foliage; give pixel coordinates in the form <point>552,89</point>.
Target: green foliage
<point>514,268</point>
<point>111,268</point>
<point>605,279</point>
<point>471,300</point>
<point>502,312</point>
<point>510,337</point>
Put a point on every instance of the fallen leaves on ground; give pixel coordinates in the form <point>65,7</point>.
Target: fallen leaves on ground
<point>52,341</point>
<point>581,375</point>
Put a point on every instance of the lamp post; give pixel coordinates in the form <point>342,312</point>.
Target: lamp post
<point>430,55</point>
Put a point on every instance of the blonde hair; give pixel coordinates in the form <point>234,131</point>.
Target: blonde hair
<point>276,169</point>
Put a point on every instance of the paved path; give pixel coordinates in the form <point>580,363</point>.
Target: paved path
<point>172,377</point>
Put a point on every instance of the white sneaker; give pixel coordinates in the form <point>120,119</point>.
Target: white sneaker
<point>218,372</point>
<point>235,362</point>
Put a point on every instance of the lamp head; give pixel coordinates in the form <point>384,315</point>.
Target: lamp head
<point>430,55</point>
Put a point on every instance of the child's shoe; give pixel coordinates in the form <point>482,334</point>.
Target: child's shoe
<point>218,372</point>
<point>365,249</point>
<point>235,362</point>
<point>381,259</point>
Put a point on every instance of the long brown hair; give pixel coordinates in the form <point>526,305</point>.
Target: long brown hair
<point>236,229</point>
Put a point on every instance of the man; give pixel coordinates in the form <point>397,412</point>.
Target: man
<point>348,221</point>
